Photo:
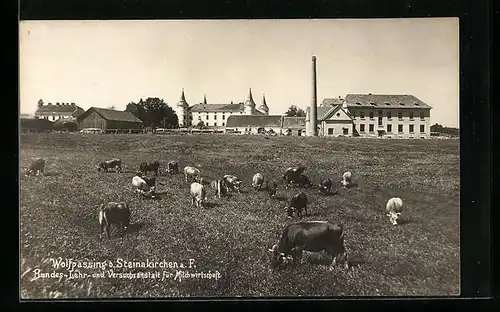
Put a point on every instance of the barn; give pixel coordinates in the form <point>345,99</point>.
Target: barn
<point>109,120</point>
<point>253,124</point>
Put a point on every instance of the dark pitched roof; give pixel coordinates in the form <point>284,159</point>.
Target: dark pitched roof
<point>321,111</point>
<point>254,121</point>
<point>62,108</point>
<point>384,100</point>
<point>110,114</point>
<point>218,108</point>
<point>294,122</point>
<point>331,101</point>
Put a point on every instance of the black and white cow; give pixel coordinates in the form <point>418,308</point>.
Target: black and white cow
<point>232,182</point>
<point>114,163</point>
<point>325,186</point>
<point>312,236</point>
<point>172,167</point>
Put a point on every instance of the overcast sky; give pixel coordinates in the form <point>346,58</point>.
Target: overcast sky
<point>111,63</point>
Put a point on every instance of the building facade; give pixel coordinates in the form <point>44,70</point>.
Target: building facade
<point>216,115</point>
<point>58,111</point>
<point>108,120</point>
<point>332,120</point>
<point>389,116</point>
<point>257,124</point>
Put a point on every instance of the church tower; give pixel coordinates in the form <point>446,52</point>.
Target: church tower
<point>263,107</point>
<point>250,104</point>
<point>182,111</point>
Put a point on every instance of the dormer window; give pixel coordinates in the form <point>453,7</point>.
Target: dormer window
<point>416,104</point>
<point>372,104</point>
<point>357,103</point>
<point>402,104</point>
<point>386,103</point>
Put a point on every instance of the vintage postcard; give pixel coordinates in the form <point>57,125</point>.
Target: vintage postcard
<point>239,158</point>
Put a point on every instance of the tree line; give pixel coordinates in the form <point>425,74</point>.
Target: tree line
<point>445,130</point>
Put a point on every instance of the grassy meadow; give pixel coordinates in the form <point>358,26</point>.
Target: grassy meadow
<point>231,235</point>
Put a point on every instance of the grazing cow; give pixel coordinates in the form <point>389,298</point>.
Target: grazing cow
<point>393,209</point>
<point>232,182</point>
<point>346,179</point>
<point>326,185</point>
<point>257,181</point>
<point>313,236</point>
<point>198,194</point>
<point>297,203</point>
<point>110,164</point>
<point>151,182</point>
<point>172,167</point>
<point>192,173</point>
<point>271,187</point>
<point>113,213</point>
<point>145,167</point>
<point>142,187</point>
<point>295,175</point>
<point>36,167</point>
<point>219,188</point>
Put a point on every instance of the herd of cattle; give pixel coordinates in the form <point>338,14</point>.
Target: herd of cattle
<point>312,236</point>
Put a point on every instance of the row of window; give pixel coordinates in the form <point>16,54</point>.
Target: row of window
<point>389,128</point>
<point>345,131</point>
<point>53,117</point>
<point>389,115</point>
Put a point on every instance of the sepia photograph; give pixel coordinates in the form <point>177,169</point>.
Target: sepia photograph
<point>239,158</point>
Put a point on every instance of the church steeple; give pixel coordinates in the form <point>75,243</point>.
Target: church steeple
<point>183,102</point>
<point>249,104</point>
<point>263,108</point>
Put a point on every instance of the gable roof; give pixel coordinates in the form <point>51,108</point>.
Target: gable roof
<point>110,114</point>
<point>240,107</point>
<point>321,111</point>
<point>58,109</point>
<point>384,100</point>
<point>254,121</point>
<point>335,109</point>
<point>294,122</point>
<point>331,101</point>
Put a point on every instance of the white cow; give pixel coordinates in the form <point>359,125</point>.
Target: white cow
<point>257,181</point>
<point>198,194</point>
<point>142,187</point>
<point>393,209</point>
<point>192,173</point>
<point>346,178</point>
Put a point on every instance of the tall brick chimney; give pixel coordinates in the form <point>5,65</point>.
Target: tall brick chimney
<point>313,116</point>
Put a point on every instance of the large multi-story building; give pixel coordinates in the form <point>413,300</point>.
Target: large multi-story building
<point>58,111</point>
<point>373,115</point>
<point>391,116</point>
<point>215,115</point>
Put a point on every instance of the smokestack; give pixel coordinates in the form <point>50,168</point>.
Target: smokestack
<point>314,105</point>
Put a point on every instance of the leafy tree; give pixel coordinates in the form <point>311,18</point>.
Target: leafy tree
<point>446,130</point>
<point>201,125</point>
<point>294,111</point>
<point>154,112</point>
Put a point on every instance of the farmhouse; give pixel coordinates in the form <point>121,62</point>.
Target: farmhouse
<point>109,120</point>
<point>391,116</point>
<point>332,120</point>
<point>216,115</point>
<point>58,111</point>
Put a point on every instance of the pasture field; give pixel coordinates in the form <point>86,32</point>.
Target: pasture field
<point>58,215</point>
